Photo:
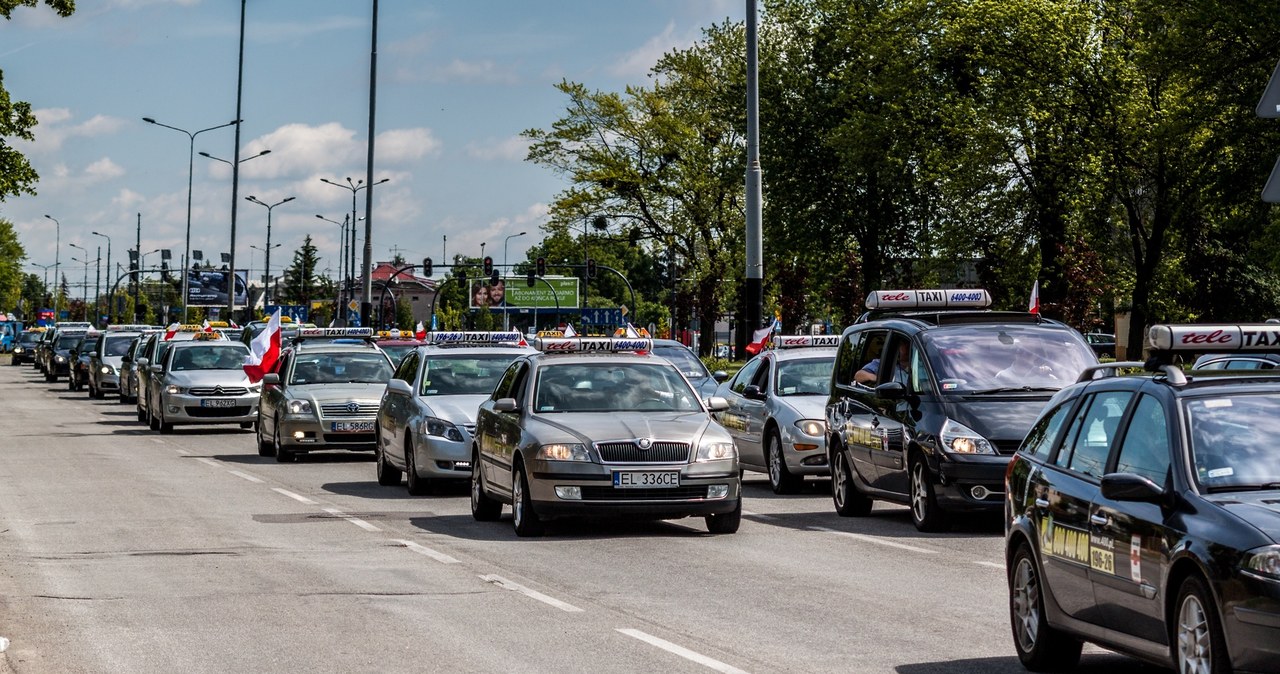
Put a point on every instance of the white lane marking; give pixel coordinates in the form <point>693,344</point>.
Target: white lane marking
<point>993,565</point>
<point>209,462</point>
<point>158,441</point>
<point>4,644</point>
<point>875,539</point>
<point>532,594</point>
<point>681,651</point>
<point>354,520</point>
<point>433,554</point>
<point>181,451</point>
<point>758,516</point>
<point>293,496</point>
<point>244,475</point>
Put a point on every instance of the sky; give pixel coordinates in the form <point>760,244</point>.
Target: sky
<point>457,83</point>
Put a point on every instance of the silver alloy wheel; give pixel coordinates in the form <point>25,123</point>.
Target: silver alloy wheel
<point>919,492</point>
<point>775,460</point>
<point>1195,648</point>
<point>517,501</point>
<point>1026,604</point>
<point>839,480</point>
<point>475,487</point>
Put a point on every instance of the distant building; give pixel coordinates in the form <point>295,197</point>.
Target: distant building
<point>418,290</point>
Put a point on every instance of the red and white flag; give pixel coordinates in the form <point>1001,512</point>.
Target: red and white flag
<point>170,331</point>
<point>1034,305</point>
<point>206,327</point>
<point>569,331</point>
<point>420,332</point>
<point>264,351</point>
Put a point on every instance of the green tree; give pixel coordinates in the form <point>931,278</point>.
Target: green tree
<point>300,281</point>
<point>11,256</point>
<point>16,118</point>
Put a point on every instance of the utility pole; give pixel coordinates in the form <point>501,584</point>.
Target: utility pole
<point>137,276</point>
<point>754,277</point>
<point>97,286</point>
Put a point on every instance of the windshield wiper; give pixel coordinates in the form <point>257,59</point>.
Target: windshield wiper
<point>1265,486</point>
<point>1017,389</point>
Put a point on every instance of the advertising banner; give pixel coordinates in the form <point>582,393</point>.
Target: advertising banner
<point>514,292</point>
<point>208,288</point>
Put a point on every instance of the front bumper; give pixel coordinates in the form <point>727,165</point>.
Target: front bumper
<point>600,498</point>
<point>958,476</point>
<point>180,408</point>
<point>441,458</point>
<point>803,461</point>
<point>24,356</point>
<point>107,382</point>
<point>301,434</point>
<point>1252,626</point>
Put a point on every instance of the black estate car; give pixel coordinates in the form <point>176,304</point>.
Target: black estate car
<point>930,396</point>
<point>1143,513</point>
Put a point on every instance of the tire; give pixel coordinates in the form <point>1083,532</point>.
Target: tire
<point>1197,642</point>
<point>388,475</point>
<point>1040,647</point>
<point>483,508</point>
<point>142,416</point>
<point>152,421</point>
<point>246,425</point>
<point>282,455</point>
<point>98,394</point>
<point>848,500</point>
<point>418,486</point>
<point>726,523</point>
<point>264,445</point>
<point>925,513</point>
<point>780,477</point>
<point>526,521</point>
<point>165,427</point>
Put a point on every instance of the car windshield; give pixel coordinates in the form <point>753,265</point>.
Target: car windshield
<point>68,341</point>
<point>683,359</point>
<point>30,337</point>
<point>209,357</point>
<point>1233,441</point>
<point>340,367</point>
<point>463,375</point>
<point>811,376</point>
<point>612,387</point>
<point>116,346</point>
<point>994,358</point>
<point>396,351</point>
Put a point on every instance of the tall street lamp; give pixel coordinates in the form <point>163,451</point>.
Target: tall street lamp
<point>506,324</point>
<point>356,186</point>
<point>228,162</point>
<point>191,159</point>
<point>110,300</point>
<point>266,277</point>
<point>267,263</point>
<point>57,251</point>
<point>342,248</point>
<point>84,294</point>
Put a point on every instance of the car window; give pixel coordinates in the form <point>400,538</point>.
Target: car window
<point>762,374</point>
<point>1145,448</point>
<point>975,358</point>
<point>1093,432</point>
<point>463,375</point>
<point>209,357</point>
<point>845,365</point>
<point>811,376</point>
<point>869,347</point>
<point>505,384</point>
<point>683,359</point>
<point>116,346</point>
<point>340,367</point>
<point>1040,439</point>
<point>408,369</point>
<point>612,387</point>
<point>1233,440</point>
<point>745,375</point>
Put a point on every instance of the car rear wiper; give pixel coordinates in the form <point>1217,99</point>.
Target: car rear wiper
<point>1014,389</point>
<point>1265,486</point>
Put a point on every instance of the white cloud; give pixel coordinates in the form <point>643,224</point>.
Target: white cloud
<point>402,145</point>
<point>307,152</point>
<point>103,169</point>
<point>474,72</point>
<point>513,148</point>
<point>53,129</point>
<point>639,61</point>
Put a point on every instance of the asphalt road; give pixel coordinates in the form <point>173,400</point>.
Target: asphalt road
<point>122,550</point>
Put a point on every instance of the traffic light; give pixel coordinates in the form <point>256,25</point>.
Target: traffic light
<point>488,265</point>
<point>494,279</point>
<point>460,273</point>
<point>426,266</point>
<point>164,270</point>
<point>530,280</point>
<point>591,268</point>
<point>542,266</point>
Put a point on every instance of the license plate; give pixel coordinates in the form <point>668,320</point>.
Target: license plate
<point>218,402</point>
<point>646,479</point>
<point>351,426</point>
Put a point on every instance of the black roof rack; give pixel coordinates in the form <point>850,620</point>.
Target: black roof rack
<point>957,316</point>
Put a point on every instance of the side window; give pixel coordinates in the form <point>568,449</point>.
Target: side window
<point>844,367</point>
<point>1040,438</point>
<point>407,369</point>
<point>920,379</point>
<point>505,384</point>
<point>1145,448</point>
<point>1094,432</point>
<point>762,375</point>
<point>745,375</point>
<point>518,387</point>
<point>870,347</point>
<point>282,367</point>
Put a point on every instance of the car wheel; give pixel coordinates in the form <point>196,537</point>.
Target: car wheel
<point>1040,647</point>
<point>142,416</point>
<point>388,475</point>
<point>264,445</point>
<point>282,455</point>
<point>152,421</point>
<point>483,508</point>
<point>527,522</point>
<point>780,477</point>
<point>165,427</point>
<point>1198,645</point>
<point>848,500</point>
<point>925,513</point>
<point>418,486</point>
<point>726,523</point>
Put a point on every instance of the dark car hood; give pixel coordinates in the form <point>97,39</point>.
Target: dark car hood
<point>1004,418</point>
<point>1259,508</point>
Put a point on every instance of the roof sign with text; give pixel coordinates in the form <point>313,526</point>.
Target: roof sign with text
<point>1215,338</point>
<point>956,298</point>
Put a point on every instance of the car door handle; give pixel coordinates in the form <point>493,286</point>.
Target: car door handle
<point>1042,503</point>
<point>1100,520</point>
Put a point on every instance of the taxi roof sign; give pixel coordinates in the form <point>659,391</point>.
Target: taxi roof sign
<point>474,337</point>
<point>335,333</point>
<point>129,327</point>
<point>805,341</point>
<point>592,344</point>
<point>1220,337</point>
<point>955,298</point>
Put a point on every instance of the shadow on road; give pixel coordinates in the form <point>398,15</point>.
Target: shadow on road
<point>561,531</point>
<point>1090,663</point>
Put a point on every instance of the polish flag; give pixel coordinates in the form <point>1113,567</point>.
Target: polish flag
<point>569,331</point>
<point>759,340</point>
<point>1034,305</point>
<point>206,327</point>
<point>170,331</point>
<point>420,332</point>
<point>264,351</point>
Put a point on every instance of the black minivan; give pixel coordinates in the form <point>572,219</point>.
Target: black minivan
<point>936,432</point>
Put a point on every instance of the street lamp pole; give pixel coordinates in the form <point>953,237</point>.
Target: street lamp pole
<point>506,322</point>
<point>267,263</point>
<point>84,289</point>
<point>342,250</point>
<point>110,300</point>
<point>57,252</point>
<point>191,160</point>
<point>228,162</point>
<point>356,186</point>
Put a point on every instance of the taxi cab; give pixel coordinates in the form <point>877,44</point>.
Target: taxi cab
<point>24,346</point>
<point>58,357</point>
<point>106,355</point>
<point>154,349</point>
<point>427,416</point>
<point>324,394</point>
<point>777,409</point>
<point>1143,512</point>
<point>201,380</point>
<point>601,426</point>
<point>396,343</point>
<point>932,392</point>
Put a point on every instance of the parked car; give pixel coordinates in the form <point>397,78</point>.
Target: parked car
<point>690,366</point>
<point>1102,343</point>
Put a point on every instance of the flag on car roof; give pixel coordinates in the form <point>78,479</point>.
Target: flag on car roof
<point>1034,305</point>
<point>206,327</point>
<point>172,330</point>
<point>264,351</point>
<point>569,331</point>
<point>420,332</point>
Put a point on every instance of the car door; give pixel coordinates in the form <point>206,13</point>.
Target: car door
<point>1069,487</point>
<point>508,430</point>
<point>734,417</point>
<point>488,428</point>
<point>1130,541</point>
<point>272,401</point>
<point>754,413</point>
<point>399,408</point>
<point>851,415</point>
<point>894,421</point>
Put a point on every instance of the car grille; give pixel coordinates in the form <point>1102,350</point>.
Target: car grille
<point>214,412</point>
<point>630,452</point>
<point>345,411</point>
<point>218,391</point>
<point>349,438</point>
<point>600,493</point>
<point>1006,447</point>
<point>470,429</point>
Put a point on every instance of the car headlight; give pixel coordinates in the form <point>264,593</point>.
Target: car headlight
<point>1263,562</point>
<point>60,359</point>
<point>255,388</point>
<point>106,369</point>
<point>173,389</point>
<point>441,429</point>
<point>299,407</point>
<point>572,451</point>
<point>717,451</point>
<point>813,427</point>
<point>17,349</point>
<point>961,439</point>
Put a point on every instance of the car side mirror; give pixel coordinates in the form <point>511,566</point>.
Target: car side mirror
<point>892,390</point>
<point>143,362</point>
<point>399,387</point>
<point>157,369</point>
<point>717,404</point>
<point>505,405</point>
<point>93,354</point>
<point>1131,487</point>
<point>753,392</point>
<point>271,379</point>
<point>719,376</point>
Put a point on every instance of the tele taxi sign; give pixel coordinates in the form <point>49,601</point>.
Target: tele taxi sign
<point>1237,337</point>
<point>463,337</point>
<point>801,341</point>
<point>591,344</point>
<point>957,298</point>
<point>335,333</point>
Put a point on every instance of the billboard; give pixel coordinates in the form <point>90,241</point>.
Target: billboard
<point>208,288</point>
<point>514,292</point>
